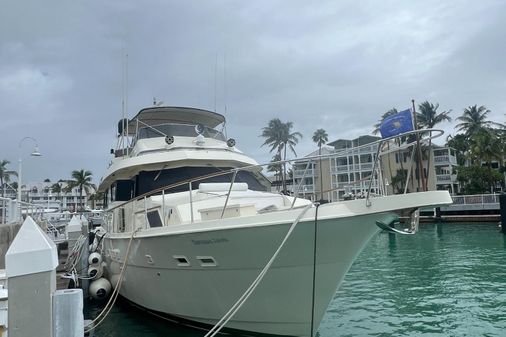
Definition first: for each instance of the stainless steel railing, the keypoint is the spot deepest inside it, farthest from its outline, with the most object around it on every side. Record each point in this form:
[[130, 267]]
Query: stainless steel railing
[[429, 134]]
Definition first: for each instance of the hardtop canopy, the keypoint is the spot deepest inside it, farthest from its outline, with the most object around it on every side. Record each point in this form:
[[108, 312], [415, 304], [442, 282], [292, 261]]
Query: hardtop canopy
[[171, 114]]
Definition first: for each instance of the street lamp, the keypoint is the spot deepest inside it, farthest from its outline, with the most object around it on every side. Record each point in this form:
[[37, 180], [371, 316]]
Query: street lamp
[[35, 153]]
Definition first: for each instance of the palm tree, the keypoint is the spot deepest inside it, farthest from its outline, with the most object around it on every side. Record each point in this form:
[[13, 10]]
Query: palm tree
[[473, 119], [428, 117], [275, 167], [460, 144], [82, 180], [94, 197], [56, 188], [320, 137], [486, 146], [279, 137], [5, 174]]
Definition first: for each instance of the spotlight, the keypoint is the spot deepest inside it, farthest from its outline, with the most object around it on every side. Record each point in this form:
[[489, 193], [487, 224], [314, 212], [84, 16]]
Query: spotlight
[[231, 142]]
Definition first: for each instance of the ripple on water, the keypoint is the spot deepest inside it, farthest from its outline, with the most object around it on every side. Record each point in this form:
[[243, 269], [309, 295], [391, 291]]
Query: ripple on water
[[448, 280]]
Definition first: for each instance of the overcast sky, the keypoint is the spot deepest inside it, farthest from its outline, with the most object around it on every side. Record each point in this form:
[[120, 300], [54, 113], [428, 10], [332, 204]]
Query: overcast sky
[[336, 65]]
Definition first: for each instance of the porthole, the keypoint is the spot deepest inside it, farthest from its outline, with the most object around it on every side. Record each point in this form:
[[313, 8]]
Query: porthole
[[207, 261], [181, 261]]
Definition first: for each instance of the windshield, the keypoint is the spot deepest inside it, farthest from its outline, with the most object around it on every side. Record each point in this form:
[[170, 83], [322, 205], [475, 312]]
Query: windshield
[[184, 130]]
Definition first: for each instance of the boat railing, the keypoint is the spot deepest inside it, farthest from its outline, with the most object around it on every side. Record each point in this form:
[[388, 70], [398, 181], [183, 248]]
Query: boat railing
[[408, 142]]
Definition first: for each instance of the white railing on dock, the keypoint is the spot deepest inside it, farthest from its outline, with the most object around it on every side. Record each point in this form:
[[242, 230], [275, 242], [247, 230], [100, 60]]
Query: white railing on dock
[[475, 199], [11, 210]]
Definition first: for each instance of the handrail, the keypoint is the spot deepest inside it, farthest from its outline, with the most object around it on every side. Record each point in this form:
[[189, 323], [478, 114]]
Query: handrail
[[228, 194], [234, 171], [300, 183]]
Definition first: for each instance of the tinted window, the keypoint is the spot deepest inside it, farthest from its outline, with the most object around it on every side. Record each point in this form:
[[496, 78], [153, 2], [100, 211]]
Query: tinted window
[[151, 180]]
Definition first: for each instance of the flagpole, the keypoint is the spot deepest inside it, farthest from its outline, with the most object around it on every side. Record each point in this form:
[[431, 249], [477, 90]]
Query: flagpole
[[420, 165]]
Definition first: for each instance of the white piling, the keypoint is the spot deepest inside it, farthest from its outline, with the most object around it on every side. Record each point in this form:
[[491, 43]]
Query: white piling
[[68, 320], [31, 263]]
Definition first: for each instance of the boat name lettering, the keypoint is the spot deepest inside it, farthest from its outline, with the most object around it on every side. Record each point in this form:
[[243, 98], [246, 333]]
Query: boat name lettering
[[209, 242]]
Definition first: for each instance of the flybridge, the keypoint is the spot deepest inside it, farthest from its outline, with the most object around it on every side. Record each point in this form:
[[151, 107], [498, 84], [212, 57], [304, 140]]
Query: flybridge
[[167, 122], [174, 115]]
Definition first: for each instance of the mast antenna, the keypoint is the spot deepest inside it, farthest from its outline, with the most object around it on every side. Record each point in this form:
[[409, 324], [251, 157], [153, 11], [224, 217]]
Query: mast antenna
[[225, 82], [215, 79]]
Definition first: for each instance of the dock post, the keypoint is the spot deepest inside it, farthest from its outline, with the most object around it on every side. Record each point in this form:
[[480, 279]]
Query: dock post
[[502, 205], [73, 232], [85, 283], [31, 263]]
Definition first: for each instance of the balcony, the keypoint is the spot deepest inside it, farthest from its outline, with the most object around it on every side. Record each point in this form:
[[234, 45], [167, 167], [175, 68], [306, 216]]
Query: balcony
[[446, 178], [354, 185], [352, 168], [300, 173], [306, 189], [445, 160]]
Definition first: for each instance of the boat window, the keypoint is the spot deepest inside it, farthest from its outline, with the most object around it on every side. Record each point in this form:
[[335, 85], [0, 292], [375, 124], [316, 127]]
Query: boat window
[[113, 192], [207, 261], [148, 181], [124, 190], [154, 219], [184, 130], [181, 261]]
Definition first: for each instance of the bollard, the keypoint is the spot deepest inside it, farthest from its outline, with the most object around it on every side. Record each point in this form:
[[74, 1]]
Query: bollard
[[31, 263], [502, 204]]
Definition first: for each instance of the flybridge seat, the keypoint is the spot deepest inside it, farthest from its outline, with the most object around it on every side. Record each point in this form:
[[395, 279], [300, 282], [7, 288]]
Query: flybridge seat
[[222, 187]]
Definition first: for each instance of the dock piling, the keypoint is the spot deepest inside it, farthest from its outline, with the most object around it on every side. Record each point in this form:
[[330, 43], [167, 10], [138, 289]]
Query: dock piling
[[502, 205], [31, 263]]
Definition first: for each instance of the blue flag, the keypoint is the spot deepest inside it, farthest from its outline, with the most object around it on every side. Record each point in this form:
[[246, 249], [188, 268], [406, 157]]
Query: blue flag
[[397, 124]]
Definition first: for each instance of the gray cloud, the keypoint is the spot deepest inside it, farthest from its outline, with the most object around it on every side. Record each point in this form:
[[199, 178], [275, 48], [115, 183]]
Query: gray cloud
[[333, 65]]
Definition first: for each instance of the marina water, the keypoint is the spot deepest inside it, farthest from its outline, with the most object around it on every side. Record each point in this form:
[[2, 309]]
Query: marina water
[[447, 280]]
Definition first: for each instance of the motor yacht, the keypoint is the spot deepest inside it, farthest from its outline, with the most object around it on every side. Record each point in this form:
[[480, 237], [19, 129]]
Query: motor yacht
[[192, 227]]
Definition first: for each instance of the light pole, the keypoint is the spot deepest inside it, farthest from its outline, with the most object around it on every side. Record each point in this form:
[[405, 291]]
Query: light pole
[[35, 153]]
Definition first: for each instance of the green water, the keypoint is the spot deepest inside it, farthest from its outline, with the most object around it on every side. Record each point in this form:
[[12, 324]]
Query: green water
[[448, 280]]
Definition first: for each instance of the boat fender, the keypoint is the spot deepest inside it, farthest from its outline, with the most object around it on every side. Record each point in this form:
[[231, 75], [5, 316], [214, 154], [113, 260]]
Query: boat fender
[[95, 272], [100, 289], [114, 279], [95, 259]]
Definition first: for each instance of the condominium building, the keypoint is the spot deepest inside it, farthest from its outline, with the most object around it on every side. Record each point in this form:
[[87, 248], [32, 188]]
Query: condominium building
[[438, 170], [42, 194], [347, 170]]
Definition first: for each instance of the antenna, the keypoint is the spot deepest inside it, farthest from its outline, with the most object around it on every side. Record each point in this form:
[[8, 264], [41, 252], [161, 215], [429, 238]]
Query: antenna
[[126, 102], [225, 82], [215, 79]]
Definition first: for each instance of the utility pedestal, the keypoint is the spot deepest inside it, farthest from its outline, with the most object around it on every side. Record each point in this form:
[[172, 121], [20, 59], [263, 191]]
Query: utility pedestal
[[31, 263]]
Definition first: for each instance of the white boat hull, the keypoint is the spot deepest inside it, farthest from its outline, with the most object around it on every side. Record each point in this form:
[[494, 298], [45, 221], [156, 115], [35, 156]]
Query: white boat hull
[[282, 303], [292, 298]]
